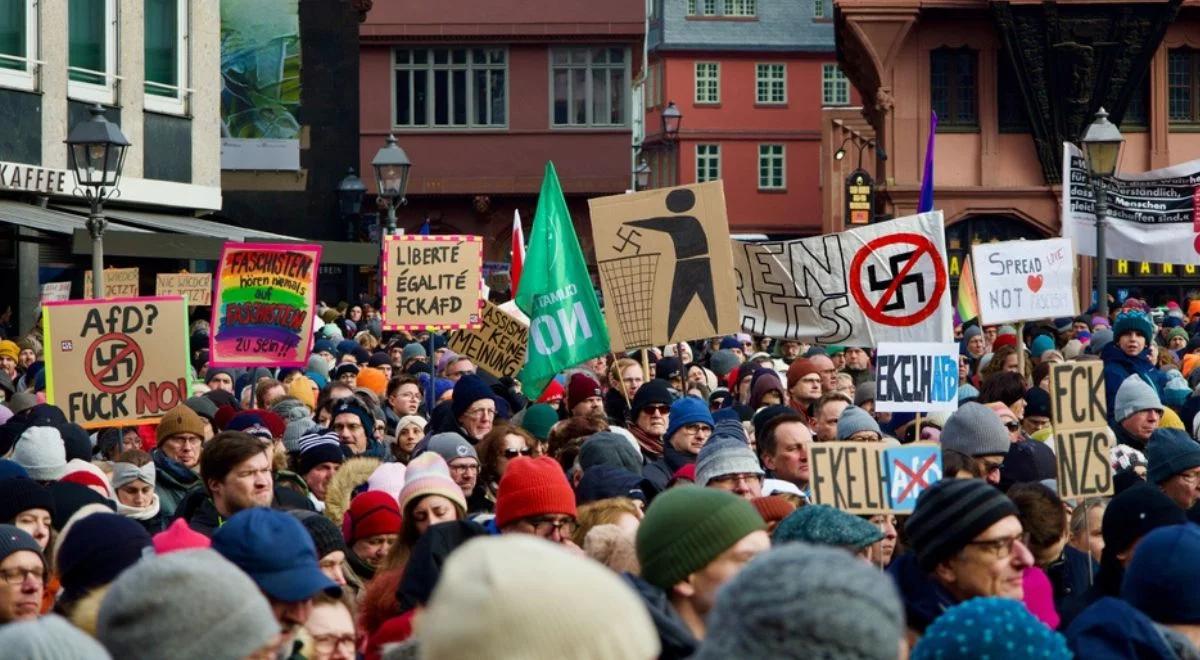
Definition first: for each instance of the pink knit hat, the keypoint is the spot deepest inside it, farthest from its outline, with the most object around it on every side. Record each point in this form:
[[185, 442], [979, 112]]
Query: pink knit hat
[[389, 478], [428, 474], [179, 537]]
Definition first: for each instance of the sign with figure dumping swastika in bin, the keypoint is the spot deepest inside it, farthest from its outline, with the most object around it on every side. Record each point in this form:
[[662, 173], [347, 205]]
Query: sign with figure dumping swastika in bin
[[665, 265]]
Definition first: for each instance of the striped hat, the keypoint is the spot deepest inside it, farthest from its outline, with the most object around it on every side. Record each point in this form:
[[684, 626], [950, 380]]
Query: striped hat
[[428, 474], [950, 514], [315, 448]]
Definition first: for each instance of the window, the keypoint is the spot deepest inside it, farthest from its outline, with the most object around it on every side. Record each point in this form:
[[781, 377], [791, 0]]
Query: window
[[770, 83], [166, 55], [952, 87], [451, 87], [741, 8], [835, 87], [18, 37], [818, 8], [92, 50], [709, 7], [589, 86], [1183, 72], [708, 82], [1135, 112], [770, 167], [654, 85], [708, 162]]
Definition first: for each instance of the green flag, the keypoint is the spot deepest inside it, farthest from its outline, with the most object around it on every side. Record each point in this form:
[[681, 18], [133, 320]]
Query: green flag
[[566, 326]]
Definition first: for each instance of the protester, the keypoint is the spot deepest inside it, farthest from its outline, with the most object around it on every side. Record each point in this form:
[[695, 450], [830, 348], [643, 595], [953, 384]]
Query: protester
[[329, 632], [1174, 466], [649, 417], [690, 426], [535, 498], [584, 396], [29, 506], [180, 434], [499, 447], [727, 463], [990, 627], [1136, 413], [826, 413], [976, 431], [23, 567], [820, 524], [783, 445], [370, 528], [237, 476]]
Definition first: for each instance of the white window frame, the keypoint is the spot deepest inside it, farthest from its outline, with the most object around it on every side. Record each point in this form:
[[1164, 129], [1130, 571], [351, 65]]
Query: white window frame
[[760, 79], [818, 8], [430, 67], [765, 157], [26, 78], [105, 94], [715, 156], [591, 67], [176, 105], [708, 8], [715, 80], [831, 74], [741, 8]]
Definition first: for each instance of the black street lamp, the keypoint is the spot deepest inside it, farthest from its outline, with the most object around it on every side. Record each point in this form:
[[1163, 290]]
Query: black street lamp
[[671, 119], [641, 175], [1102, 148], [96, 150], [391, 174], [350, 193]]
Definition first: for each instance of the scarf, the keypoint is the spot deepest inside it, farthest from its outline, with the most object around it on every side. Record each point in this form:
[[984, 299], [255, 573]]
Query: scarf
[[139, 513], [651, 446]]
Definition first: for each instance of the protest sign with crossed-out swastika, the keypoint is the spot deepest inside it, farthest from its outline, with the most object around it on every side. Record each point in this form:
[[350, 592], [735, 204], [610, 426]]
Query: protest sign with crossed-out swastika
[[868, 478], [120, 362]]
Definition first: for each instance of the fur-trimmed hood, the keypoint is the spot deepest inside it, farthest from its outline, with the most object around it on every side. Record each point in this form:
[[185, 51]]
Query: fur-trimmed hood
[[353, 473]]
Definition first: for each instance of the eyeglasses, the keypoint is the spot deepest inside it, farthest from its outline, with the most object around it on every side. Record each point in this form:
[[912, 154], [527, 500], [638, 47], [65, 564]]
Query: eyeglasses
[[192, 440], [327, 643], [16, 576], [466, 467], [1012, 426], [746, 477], [696, 427], [480, 412], [990, 467], [546, 526], [513, 453], [1190, 477], [657, 408], [1002, 547]]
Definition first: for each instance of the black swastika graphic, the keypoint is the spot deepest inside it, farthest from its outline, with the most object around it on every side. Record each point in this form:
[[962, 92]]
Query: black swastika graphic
[[114, 362], [895, 264], [627, 237]]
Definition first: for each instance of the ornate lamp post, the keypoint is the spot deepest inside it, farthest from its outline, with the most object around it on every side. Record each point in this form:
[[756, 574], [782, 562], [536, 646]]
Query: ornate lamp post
[[96, 150]]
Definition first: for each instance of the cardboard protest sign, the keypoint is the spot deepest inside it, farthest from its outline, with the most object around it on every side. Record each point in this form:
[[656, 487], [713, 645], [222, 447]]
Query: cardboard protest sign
[[868, 478], [196, 286], [432, 282], [1078, 411], [118, 362], [118, 283], [53, 291], [665, 265], [878, 283], [1023, 280], [498, 346], [265, 305], [916, 377]]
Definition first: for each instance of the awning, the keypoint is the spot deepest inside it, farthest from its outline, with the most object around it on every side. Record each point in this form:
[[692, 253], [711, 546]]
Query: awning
[[48, 220], [183, 224]]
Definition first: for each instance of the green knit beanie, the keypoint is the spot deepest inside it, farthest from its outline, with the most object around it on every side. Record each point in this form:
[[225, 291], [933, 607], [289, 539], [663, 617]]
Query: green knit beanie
[[687, 527], [538, 420]]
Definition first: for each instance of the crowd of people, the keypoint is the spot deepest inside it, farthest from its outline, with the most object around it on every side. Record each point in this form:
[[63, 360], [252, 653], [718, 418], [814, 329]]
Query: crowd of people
[[394, 500]]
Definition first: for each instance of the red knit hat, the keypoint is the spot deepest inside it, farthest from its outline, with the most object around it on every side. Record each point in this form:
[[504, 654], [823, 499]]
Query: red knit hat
[[371, 513], [799, 369], [533, 487], [1004, 340], [553, 392], [580, 388], [772, 508]]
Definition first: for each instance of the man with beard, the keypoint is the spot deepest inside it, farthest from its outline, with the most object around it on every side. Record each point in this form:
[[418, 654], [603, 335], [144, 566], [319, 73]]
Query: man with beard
[[236, 473]]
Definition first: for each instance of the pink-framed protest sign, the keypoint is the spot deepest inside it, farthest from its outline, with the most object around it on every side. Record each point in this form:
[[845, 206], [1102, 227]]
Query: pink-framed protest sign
[[432, 282]]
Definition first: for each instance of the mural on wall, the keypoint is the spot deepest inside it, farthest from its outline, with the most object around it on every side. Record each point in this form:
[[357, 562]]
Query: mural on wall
[[260, 84]]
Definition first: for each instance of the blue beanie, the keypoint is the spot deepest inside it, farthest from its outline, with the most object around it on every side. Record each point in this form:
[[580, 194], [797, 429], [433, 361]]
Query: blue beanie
[[11, 470], [346, 346], [324, 346], [1041, 344], [967, 392], [1135, 322], [990, 627], [730, 342], [469, 389], [1163, 562], [1169, 452], [351, 406], [687, 410]]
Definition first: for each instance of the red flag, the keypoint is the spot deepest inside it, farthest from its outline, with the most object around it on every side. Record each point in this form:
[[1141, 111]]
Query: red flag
[[518, 252]]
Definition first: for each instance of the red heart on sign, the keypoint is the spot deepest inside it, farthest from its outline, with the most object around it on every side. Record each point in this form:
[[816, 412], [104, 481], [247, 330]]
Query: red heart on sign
[[1035, 282]]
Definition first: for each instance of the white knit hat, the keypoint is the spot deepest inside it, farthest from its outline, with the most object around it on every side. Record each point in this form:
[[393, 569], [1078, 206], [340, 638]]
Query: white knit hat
[[512, 586], [41, 452]]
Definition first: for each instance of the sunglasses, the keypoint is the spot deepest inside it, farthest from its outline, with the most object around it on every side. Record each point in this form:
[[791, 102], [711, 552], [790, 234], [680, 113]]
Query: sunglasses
[[1012, 426], [513, 453], [657, 408]]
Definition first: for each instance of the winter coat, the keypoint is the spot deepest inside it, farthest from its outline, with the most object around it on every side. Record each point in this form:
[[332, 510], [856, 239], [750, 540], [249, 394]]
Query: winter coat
[[661, 471], [924, 599], [353, 473], [172, 482], [1112, 628], [677, 639], [1070, 574], [1118, 366]]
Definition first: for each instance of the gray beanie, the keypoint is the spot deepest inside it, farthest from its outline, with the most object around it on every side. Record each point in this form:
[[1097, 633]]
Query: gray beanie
[[723, 361], [49, 638], [40, 450], [413, 350], [450, 445], [723, 455], [975, 430], [1134, 395], [294, 430], [864, 392], [1100, 338], [798, 596], [203, 406], [854, 419], [608, 448], [197, 591], [291, 409]]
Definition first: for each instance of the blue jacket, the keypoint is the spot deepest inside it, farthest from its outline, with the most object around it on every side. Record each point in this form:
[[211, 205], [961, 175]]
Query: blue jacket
[[1112, 628], [924, 599], [1069, 575], [1118, 367]]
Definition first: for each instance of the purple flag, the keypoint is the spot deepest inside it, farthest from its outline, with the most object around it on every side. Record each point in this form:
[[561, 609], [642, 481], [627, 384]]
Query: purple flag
[[926, 203]]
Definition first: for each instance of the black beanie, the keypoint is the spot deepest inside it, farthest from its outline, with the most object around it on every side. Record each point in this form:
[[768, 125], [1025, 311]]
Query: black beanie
[[76, 441], [1136, 512], [71, 497], [21, 494], [655, 391], [950, 514], [325, 535]]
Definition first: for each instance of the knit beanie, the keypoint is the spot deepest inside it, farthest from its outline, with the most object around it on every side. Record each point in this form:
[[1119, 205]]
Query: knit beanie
[[18, 495], [950, 514], [687, 527], [76, 442], [373, 379], [11, 469], [1041, 344], [14, 539], [1037, 402], [538, 420], [295, 430], [773, 508], [371, 513], [512, 587], [324, 532], [603, 481], [723, 361], [70, 498], [533, 487], [49, 637], [687, 410], [609, 448], [467, 390], [853, 420], [822, 600], [975, 430], [412, 351], [198, 591], [178, 536], [203, 406], [315, 448], [9, 349], [656, 391], [350, 407], [86, 473], [41, 452], [1168, 453], [428, 474], [1134, 395], [799, 369], [450, 445], [824, 525], [1135, 512], [180, 419], [580, 388], [990, 627], [723, 455], [1164, 561], [1133, 321], [303, 388], [95, 550], [388, 478]]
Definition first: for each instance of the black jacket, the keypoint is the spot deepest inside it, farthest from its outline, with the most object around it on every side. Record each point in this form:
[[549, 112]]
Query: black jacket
[[661, 471], [677, 639]]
